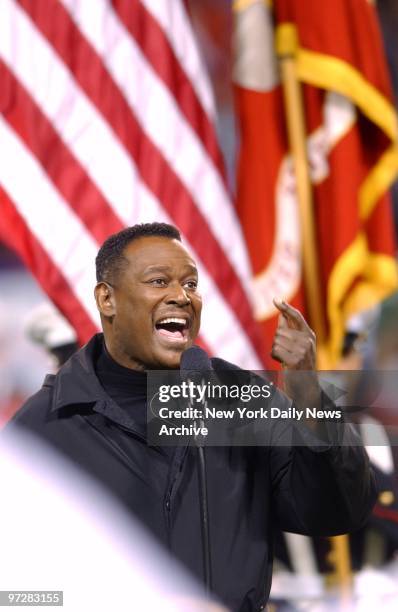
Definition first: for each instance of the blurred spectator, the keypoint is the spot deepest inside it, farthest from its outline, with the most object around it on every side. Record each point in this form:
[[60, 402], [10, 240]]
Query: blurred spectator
[[49, 329], [23, 364]]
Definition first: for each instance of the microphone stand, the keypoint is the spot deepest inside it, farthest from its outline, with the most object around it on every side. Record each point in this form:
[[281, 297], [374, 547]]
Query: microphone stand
[[204, 509]]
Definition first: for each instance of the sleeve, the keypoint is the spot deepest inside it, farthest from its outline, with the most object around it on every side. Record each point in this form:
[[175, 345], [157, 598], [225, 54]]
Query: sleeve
[[320, 487]]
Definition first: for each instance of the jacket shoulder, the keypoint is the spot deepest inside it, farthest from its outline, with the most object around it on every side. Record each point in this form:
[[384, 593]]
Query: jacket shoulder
[[36, 409]]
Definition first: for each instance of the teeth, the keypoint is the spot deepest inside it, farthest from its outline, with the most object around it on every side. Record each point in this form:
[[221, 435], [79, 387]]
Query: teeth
[[172, 320]]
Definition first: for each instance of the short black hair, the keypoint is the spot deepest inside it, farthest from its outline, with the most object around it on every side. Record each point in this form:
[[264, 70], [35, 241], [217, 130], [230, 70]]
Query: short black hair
[[110, 260]]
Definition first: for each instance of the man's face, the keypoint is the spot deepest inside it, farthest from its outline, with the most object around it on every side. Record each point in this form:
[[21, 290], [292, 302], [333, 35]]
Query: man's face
[[156, 306]]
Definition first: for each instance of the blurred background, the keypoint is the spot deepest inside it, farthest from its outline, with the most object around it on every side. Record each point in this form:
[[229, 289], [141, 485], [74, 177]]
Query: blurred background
[[267, 132]]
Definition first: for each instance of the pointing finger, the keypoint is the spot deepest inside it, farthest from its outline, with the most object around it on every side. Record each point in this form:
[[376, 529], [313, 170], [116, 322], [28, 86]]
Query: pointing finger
[[293, 316]]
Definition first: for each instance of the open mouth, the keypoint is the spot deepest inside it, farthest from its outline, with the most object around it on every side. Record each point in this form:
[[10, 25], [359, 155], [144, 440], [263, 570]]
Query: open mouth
[[174, 329]]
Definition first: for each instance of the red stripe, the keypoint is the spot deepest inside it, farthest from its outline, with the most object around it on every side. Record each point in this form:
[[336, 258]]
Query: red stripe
[[154, 43], [62, 167], [56, 25], [16, 234]]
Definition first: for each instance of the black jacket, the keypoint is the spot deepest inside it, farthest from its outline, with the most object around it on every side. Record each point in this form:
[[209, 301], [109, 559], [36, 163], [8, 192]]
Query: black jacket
[[250, 489]]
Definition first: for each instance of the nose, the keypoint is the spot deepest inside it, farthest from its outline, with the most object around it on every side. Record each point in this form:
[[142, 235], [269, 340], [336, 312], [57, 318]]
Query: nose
[[177, 295]]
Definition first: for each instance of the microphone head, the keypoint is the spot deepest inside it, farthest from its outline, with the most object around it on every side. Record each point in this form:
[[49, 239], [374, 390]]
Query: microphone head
[[194, 362]]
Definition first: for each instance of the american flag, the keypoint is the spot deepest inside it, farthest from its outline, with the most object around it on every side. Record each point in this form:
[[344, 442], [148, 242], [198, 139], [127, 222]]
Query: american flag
[[107, 119]]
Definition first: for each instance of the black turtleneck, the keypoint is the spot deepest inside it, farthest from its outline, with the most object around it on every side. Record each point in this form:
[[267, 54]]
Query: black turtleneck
[[125, 386], [128, 389]]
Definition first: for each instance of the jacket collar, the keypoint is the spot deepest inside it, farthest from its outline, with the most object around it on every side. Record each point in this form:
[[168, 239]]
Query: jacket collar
[[77, 381]]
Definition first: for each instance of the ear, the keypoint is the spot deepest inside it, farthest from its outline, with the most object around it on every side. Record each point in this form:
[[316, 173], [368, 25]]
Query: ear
[[105, 299]]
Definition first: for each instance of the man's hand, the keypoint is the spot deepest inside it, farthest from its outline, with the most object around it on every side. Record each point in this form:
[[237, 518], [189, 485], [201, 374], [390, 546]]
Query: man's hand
[[295, 347], [294, 341]]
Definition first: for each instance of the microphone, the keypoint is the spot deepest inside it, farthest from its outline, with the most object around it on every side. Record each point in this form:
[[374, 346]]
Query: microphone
[[193, 367], [194, 362]]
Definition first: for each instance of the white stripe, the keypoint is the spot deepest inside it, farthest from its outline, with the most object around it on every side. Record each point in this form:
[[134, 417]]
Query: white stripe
[[222, 330], [172, 17], [49, 217], [167, 128], [73, 116]]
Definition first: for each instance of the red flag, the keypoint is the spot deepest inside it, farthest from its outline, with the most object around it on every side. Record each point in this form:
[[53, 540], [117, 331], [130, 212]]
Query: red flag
[[107, 119], [352, 150]]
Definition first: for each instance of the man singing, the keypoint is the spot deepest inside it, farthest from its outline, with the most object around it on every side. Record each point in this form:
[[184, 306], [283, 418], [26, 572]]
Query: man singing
[[94, 412]]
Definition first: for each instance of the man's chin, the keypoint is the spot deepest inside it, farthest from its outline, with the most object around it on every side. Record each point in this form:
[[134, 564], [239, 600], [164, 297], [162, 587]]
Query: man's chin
[[167, 360], [170, 358]]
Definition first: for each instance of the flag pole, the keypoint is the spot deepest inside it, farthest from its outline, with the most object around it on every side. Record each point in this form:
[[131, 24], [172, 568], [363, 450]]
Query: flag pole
[[287, 47], [287, 44]]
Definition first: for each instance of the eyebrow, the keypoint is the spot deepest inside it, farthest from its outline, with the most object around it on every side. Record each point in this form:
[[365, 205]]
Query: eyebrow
[[157, 268]]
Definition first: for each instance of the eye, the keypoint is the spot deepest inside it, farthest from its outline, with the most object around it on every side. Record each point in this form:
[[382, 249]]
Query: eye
[[192, 285], [158, 282]]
